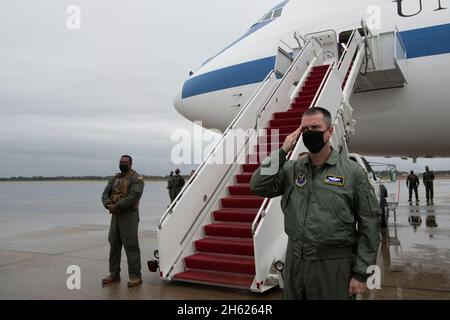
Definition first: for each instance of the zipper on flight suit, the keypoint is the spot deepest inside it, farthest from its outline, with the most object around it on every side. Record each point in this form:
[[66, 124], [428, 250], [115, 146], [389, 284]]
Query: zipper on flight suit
[[310, 190]]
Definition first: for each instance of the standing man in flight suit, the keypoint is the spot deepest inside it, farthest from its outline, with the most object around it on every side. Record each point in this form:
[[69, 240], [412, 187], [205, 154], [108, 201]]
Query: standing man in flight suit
[[170, 187], [428, 178], [330, 214], [121, 198], [178, 183], [412, 182]]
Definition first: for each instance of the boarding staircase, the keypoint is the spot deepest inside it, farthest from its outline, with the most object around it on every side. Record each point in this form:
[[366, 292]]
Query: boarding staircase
[[217, 231]]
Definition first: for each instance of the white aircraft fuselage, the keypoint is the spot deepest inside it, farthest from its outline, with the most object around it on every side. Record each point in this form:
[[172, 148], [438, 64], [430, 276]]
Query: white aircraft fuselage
[[411, 121]]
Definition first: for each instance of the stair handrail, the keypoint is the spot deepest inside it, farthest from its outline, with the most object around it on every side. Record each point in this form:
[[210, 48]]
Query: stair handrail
[[261, 213], [230, 127], [322, 84], [346, 48]]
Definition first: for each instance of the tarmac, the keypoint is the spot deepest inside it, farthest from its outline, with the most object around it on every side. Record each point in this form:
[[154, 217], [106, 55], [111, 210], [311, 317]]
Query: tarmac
[[414, 259]]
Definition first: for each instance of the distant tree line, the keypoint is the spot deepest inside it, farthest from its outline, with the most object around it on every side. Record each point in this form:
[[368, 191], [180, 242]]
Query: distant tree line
[[78, 178], [438, 173]]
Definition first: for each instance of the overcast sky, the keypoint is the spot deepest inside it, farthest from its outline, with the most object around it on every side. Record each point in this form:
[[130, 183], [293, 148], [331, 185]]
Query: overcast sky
[[73, 101]]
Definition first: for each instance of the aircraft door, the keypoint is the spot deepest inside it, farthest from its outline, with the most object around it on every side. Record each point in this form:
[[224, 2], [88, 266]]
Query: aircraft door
[[329, 41]]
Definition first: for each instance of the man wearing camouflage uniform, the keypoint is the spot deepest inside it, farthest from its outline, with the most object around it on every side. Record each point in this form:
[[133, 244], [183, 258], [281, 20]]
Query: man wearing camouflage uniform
[[330, 213], [121, 198]]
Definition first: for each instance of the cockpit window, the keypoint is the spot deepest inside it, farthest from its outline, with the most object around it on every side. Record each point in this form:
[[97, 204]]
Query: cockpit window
[[272, 15], [267, 16], [277, 13]]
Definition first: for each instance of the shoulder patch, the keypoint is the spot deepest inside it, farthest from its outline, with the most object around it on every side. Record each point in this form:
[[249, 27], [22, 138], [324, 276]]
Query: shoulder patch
[[301, 180], [338, 181]]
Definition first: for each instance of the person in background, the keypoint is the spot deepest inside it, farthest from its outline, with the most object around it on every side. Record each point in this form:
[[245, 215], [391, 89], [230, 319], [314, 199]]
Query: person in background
[[121, 198], [170, 187], [428, 179], [412, 182], [178, 183]]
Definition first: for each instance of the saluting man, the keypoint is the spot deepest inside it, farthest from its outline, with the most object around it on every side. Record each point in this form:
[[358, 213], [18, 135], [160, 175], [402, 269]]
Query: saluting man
[[330, 214], [121, 198]]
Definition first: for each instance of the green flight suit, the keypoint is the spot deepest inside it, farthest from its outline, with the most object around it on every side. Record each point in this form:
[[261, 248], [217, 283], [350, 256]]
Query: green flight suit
[[125, 190], [178, 183], [331, 219], [428, 178], [170, 187]]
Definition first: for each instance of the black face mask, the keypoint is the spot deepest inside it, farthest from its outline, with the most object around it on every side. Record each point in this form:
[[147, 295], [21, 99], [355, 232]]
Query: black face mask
[[313, 140], [124, 168]]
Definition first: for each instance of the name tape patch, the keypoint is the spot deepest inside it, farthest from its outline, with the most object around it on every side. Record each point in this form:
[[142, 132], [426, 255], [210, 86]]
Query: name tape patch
[[335, 180]]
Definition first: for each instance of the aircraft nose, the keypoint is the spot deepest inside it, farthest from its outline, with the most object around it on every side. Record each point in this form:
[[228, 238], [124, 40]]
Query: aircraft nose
[[178, 103]]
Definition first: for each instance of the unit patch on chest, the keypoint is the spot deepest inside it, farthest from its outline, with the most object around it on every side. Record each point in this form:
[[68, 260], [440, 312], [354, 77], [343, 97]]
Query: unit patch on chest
[[300, 180], [335, 180]]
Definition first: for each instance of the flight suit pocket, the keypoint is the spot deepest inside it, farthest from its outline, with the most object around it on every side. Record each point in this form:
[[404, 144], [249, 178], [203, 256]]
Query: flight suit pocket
[[342, 209], [285, 199]]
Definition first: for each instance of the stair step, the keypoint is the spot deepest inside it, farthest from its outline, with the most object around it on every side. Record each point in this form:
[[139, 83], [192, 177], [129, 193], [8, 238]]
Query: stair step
[[257, 157], [314, 83], [289, 114], [318, 71], [249, 201], [242, 189], [231, 230], [282, 129], [285, 122], [265, 147], [300, 110], [304, 98], [307, 92], [321, 67], [243, 247], [243, 178], [301, 105], [236, 214], [315, 78], [220, 279], [242, 265], [250, 168], [275, 137], [311, 86]]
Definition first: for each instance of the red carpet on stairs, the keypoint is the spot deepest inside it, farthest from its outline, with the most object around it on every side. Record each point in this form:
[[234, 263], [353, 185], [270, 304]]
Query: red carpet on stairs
[[225, 255]]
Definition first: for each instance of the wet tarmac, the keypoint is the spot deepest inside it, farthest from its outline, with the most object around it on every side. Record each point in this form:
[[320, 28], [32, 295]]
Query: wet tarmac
[[414, 260]]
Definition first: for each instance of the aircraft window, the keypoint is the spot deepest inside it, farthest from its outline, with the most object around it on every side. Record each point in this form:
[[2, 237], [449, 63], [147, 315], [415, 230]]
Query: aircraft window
[[277, 13], [272, 15], [268, 16]]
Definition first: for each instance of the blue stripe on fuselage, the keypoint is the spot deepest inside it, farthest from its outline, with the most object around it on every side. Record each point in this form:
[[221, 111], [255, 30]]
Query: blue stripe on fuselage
[[230, 77], [427, 41], [418, 42]]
